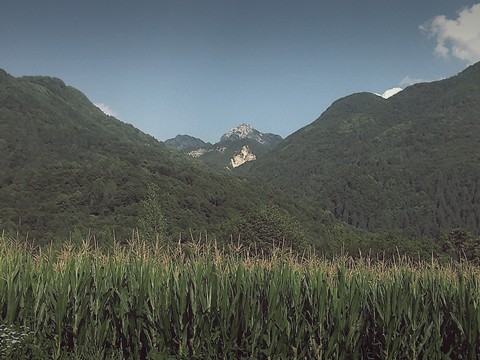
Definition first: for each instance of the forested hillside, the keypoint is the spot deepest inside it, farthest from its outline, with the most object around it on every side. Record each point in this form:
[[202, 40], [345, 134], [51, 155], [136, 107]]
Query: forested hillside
[[69, 170], [410, 163]]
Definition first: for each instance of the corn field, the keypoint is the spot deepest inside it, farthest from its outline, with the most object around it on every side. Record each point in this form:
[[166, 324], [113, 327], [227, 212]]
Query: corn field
[[198, 302]]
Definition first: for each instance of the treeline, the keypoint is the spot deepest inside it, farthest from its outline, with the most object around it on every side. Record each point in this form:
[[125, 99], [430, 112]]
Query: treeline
[[70, 170], [409, 164]]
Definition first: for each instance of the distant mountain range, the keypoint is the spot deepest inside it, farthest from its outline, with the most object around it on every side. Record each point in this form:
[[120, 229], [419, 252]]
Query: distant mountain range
[[237, 147], [409, 163], [369, 173], [186, 143], [246, 131], [69, 171]]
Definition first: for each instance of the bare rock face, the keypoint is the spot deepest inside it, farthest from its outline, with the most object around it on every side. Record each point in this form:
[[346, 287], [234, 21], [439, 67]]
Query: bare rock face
[[236, 147], [198, 152], [244, 156]]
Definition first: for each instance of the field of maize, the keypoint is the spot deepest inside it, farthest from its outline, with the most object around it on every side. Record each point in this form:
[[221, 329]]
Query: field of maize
[[197, 302]]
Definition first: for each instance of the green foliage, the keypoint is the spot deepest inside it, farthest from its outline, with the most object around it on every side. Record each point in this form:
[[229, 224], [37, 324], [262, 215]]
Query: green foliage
[[147, 302], [152, 223], [409, 164], [13, 341], [69, 171], [460, 244], [220, 159], [269, 226]]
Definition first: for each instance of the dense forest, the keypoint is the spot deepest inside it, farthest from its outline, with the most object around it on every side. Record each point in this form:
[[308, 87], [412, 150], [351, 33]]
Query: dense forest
[[370, 176], [408, 164], [70, 171]]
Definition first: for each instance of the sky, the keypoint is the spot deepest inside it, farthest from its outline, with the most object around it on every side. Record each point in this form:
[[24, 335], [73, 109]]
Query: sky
[[202, 67]]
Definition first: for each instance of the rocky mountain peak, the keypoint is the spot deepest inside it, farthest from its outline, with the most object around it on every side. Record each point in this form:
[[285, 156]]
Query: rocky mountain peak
[[246, 131], [242, 131], [236, 147]]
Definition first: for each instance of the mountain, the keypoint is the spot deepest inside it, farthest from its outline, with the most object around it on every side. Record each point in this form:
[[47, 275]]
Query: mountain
[[186, 143], [246, 131], [69, 171], [237, 147], [409, 163]]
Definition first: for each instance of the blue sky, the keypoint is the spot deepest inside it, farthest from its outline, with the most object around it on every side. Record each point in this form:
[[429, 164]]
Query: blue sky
[[202, 67]]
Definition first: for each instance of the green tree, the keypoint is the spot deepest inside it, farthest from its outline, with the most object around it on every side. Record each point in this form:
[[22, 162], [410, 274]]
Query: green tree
[[268, 225], [461, 244], [151, 222]]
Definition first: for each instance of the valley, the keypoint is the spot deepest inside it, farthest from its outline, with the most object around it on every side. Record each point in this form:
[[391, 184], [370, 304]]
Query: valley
[[396, 174], [192, 248]]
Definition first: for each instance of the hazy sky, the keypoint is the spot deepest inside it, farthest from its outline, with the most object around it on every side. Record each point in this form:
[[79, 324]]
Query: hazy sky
[[202, 67]]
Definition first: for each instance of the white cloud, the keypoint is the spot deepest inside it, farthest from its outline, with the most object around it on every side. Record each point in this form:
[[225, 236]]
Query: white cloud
[[106, 109], [408, 80], [390, 92], [458, 37]]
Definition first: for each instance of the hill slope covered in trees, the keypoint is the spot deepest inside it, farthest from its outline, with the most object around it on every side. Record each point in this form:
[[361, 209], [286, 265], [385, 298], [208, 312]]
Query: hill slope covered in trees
[[67, 169], [410, 163]]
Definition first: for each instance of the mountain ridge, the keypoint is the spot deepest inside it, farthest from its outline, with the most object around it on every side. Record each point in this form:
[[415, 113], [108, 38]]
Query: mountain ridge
[[236, 147], [409, 163], [186, 142], [246, 131], [71, 172]]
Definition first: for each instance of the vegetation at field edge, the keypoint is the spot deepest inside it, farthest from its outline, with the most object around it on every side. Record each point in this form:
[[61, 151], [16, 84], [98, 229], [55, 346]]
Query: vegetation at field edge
[[148, 301]]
